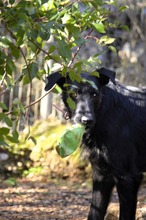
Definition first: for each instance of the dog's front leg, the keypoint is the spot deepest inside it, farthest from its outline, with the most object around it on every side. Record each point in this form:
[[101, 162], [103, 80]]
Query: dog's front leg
[[102, 188], [127, 188]]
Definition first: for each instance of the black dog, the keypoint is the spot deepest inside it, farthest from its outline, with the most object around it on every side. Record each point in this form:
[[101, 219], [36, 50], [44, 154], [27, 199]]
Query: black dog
[[114, 139]]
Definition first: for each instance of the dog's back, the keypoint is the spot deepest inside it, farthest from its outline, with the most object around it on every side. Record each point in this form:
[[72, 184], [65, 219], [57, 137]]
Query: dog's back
[[135, 94]]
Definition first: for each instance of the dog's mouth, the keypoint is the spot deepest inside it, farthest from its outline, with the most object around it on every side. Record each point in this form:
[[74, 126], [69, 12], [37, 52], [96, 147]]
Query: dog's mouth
[[87, 121]]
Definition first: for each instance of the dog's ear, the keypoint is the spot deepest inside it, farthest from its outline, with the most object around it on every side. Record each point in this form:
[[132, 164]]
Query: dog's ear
[[106, 75], [54, 78]]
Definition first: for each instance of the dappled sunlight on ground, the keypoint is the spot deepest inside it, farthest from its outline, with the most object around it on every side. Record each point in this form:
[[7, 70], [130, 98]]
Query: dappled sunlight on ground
[[54, 200]]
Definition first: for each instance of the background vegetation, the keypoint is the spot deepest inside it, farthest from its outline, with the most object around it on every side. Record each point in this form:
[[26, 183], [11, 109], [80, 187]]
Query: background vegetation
[[39, 37]]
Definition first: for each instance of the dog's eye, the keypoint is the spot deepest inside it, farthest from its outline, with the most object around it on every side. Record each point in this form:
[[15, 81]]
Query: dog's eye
[[73, 94], [94, 95]]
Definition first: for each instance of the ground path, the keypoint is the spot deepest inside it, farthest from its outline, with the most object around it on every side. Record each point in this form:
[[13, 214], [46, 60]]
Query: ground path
[[66, 200]]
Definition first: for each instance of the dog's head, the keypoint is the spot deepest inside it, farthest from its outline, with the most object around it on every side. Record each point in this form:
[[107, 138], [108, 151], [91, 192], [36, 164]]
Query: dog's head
[[82, 98]]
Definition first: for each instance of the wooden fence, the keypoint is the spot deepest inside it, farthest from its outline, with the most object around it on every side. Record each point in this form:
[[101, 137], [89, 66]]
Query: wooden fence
[[40, 104]]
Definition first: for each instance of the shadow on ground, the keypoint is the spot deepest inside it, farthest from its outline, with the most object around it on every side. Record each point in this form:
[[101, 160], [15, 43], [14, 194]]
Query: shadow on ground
[[37, 200]]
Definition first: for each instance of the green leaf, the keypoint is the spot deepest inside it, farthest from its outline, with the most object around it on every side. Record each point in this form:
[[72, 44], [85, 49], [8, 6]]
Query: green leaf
[[91, 83], [71, 103], [113, 49], [125, 27], [33, 140], [95, 73], [73, 30], [15, 51], [15, 134], [3, 106], [54, 57], [95, 3], [64, 49], [22, 108], [15, 124], [12, 139], [10, 66], [1, 138], [43, 32], [57, 89], [123, 7], [2, 115], [7, 43], [16, 101], [30, 72], [2, 142], [75, 76], [4, 42], [8, 121], [20, 37], [78, 66], [11, 181], [72, 74], [79, 41], [11, 2], [47, 6], [4, 131], [70, 140], [99, 27], [52, 48], [106, 40], [67, 19]]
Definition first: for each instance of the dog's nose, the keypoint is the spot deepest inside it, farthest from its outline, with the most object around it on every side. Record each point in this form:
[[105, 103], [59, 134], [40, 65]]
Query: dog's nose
[[87, 120]]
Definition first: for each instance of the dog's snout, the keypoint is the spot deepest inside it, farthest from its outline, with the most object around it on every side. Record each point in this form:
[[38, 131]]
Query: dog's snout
[[87, 120]]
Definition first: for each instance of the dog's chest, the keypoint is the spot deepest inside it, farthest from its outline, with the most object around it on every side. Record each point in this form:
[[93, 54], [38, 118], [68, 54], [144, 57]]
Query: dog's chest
[[97, 155]]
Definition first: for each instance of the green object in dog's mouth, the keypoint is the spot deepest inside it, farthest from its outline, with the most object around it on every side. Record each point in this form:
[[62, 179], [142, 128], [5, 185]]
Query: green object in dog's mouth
[[70, 140]]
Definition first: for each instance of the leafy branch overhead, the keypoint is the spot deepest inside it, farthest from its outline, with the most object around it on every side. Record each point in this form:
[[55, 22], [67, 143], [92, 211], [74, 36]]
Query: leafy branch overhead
[[25, 45]]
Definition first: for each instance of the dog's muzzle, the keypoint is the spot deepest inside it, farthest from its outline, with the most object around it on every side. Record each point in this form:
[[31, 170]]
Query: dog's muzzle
[[86, 120]]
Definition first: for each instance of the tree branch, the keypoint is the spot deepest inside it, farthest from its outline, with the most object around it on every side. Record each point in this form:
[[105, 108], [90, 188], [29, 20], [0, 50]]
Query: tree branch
[[34, 102], [79, 48], [43, 51]]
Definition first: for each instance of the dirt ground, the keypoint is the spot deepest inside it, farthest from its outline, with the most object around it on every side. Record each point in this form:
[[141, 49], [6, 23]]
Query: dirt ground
[[32, 199]]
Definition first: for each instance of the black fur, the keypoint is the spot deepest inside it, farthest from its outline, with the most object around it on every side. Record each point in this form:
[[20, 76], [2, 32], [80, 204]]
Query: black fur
[[115, 137]]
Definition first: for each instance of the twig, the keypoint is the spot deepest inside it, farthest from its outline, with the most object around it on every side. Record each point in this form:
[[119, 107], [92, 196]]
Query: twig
[[29, 75], [7, 89], [3, 78], [34, 102], [79, 48], [43, 51], [92, 37], [25, 60], [58, 108]]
